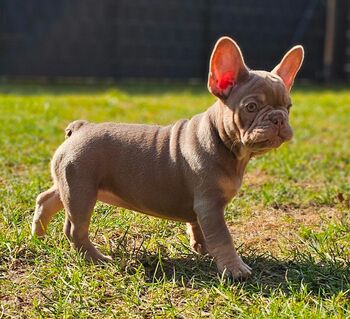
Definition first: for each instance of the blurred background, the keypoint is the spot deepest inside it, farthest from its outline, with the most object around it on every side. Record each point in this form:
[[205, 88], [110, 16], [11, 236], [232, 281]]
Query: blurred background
[[62, 60], [167, 39]]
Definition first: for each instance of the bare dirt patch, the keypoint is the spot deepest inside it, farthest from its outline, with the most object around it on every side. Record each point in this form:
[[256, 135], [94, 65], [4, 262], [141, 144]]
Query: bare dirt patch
[[256, 178], [268, 230]]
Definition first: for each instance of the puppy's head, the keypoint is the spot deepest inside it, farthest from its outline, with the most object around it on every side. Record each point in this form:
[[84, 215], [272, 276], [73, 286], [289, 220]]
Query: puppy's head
[[256, 104]]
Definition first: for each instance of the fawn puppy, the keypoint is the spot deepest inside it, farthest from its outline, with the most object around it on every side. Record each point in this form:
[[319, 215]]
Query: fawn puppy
[[187, 171]]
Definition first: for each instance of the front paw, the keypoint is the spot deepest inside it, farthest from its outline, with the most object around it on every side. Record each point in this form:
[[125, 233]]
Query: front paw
[[199, 248], [234, 268]]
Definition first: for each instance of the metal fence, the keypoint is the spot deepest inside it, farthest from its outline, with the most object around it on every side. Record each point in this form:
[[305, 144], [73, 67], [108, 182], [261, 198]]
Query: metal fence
[[161, 38]]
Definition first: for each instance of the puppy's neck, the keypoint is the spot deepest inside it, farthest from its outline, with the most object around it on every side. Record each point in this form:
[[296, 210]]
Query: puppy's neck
[[231, 139]]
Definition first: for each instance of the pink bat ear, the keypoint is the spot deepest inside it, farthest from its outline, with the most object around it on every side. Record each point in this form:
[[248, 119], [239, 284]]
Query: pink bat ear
[[288, 68], [227, 68]]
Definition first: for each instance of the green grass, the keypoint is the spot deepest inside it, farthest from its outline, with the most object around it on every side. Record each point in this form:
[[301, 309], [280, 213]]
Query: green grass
[[290, 220]]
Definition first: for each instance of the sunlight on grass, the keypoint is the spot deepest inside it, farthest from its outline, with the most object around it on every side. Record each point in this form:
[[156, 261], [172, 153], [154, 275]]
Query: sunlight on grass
[[296, 199]]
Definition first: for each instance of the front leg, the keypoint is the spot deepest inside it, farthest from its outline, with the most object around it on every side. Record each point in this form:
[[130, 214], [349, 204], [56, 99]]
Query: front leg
[[197, 240], [210, 215]]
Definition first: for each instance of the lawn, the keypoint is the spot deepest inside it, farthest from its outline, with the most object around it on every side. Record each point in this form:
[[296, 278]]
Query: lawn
[[290, 220]]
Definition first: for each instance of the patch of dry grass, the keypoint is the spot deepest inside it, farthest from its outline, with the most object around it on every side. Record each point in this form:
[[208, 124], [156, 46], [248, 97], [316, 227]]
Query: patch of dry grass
[[274, 230]]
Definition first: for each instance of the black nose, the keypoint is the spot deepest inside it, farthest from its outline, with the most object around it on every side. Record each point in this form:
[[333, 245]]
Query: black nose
[[277, 118]]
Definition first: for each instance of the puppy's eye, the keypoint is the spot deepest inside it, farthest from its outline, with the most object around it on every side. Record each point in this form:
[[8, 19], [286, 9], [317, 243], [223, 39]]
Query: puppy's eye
[[288, 107], [251, 107]]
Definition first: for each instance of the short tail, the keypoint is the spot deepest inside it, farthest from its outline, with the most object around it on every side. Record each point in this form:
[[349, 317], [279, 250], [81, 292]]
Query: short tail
[[74, 126]]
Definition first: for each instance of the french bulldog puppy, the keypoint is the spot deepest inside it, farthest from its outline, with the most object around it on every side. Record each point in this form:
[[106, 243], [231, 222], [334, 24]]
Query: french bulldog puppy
[[187, 171]]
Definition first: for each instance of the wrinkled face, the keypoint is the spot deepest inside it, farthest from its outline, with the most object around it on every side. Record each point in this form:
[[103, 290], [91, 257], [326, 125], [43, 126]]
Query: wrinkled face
[[255, 104], [259, 110]]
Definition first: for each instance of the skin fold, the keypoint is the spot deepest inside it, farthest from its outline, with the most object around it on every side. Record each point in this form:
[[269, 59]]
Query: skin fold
[[188, 171]]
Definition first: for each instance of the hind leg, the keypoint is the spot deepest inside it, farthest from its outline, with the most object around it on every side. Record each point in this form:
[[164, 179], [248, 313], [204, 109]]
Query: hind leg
[[79, 205], [48, 204]]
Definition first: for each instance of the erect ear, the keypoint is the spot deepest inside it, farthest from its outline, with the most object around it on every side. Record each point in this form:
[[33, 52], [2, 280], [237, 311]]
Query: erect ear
[[289, 66], [227, 67]]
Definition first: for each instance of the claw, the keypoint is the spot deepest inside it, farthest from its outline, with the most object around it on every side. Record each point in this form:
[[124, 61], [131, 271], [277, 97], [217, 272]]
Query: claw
[[236, 269], [199, 248]]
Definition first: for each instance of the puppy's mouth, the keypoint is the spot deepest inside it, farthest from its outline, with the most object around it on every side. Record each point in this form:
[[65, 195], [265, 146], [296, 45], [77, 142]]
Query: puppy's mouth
[[267, 144], [270, 142], [264, 134]]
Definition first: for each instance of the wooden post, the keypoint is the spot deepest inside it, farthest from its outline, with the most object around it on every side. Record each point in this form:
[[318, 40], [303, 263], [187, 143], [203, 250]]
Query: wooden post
[[328, 53]]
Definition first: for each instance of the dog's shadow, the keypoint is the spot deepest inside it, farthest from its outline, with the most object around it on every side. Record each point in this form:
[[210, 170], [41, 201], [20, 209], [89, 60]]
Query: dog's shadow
[[269, 273]]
